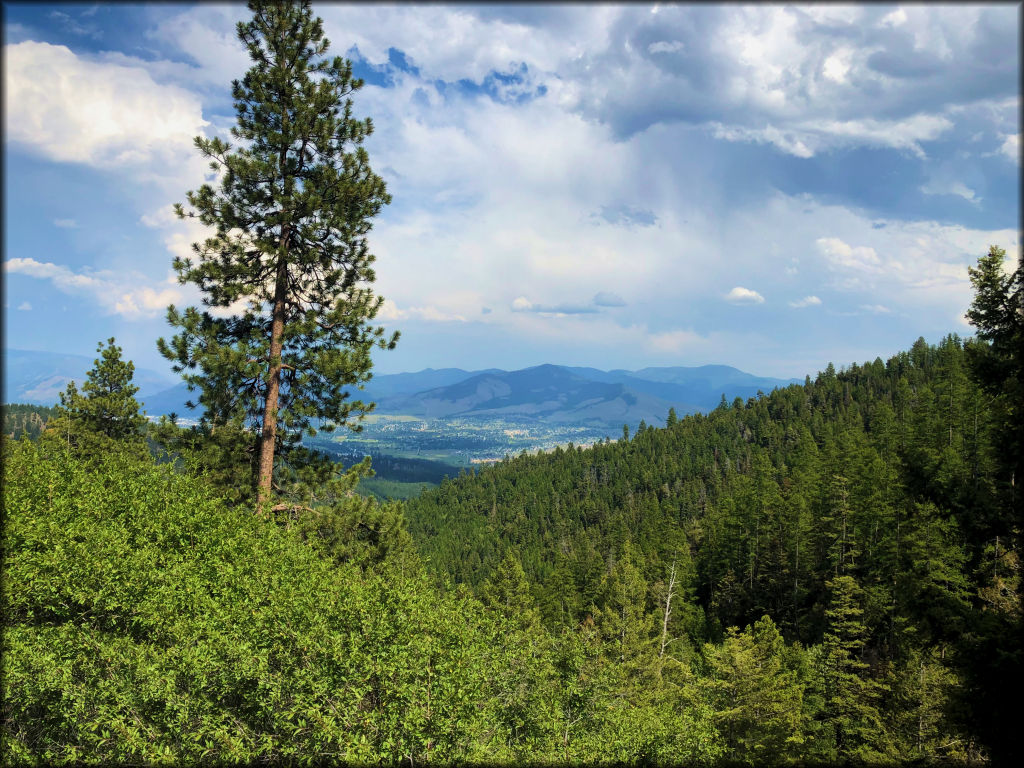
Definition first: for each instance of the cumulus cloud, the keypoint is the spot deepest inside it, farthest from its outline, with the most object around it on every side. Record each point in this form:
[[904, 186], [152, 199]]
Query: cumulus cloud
[[918, 265], [70, 109], [893, 19], [25, 307], [741, 295], [807, 301], [65, 223], [544, 154], [390, 311], [844, 256], [125, 295], [62, 277], [206, 35]]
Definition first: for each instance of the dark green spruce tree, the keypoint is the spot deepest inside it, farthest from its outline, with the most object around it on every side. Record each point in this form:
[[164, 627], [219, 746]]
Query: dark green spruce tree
[[285, 332], [998, 362], [995, 670]]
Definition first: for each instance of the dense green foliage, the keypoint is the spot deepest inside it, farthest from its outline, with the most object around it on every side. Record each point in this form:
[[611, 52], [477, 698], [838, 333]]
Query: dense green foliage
[[147, 621]]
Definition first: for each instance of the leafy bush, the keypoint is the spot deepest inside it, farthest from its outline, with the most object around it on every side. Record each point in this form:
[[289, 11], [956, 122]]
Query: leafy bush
[[145, 621]]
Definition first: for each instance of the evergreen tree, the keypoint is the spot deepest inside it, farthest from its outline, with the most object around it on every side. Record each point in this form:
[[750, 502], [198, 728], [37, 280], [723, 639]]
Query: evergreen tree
[[508, 593], [672, 418], [758, 701], [105, 414], [996, 655], [291, 216], [624, 623], [998, 313], [851, 695]]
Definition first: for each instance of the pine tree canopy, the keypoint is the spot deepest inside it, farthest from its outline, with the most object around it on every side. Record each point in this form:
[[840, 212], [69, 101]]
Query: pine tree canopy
[[105, 413], [286, 276]]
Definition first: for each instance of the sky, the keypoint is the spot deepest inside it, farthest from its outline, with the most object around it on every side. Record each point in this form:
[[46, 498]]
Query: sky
[[770, 187]]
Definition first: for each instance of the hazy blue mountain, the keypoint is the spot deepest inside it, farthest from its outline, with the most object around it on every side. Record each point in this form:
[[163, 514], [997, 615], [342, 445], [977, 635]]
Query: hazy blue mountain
[[170, 400], [549, 393], [40, 377], [701, 386], [391, 384], [381, 386]]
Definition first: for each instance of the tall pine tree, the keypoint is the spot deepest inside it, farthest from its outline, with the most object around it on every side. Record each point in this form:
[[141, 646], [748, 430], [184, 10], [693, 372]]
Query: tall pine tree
[[289, 254]]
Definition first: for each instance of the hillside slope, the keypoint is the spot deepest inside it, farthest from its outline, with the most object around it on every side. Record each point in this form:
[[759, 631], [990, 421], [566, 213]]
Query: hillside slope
[[883, 474]]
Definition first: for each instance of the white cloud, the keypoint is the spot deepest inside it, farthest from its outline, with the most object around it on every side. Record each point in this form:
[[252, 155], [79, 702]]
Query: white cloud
[[807, 301], [789, 142], [844, 256], [449, 43], [913, 267], [65, 223], [805, 78], [390, 312], [807, 138], [957, 188], [62, 277], [876, 309], [837, 66], [894, 18], [206, 34], [741, 295], [500, 195], [25, 307], [71, 109], [523, 304], [1011, 147], [122, 294]]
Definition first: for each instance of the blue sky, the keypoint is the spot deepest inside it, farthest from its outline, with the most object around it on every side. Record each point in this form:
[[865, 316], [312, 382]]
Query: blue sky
[[769, 187]]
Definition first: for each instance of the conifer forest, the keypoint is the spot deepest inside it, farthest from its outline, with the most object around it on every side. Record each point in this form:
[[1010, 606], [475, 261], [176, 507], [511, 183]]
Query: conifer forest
[[828, 573]]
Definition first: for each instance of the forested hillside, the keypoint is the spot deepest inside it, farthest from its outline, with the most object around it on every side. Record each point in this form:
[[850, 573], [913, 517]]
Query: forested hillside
[[827, 573], [30, 420], [861, 511]]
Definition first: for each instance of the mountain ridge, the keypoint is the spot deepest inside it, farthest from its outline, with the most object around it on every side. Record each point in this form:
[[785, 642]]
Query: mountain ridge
[[547, 392]]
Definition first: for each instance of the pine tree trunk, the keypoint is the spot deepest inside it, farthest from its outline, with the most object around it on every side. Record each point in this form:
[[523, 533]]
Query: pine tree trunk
[[269, 434]]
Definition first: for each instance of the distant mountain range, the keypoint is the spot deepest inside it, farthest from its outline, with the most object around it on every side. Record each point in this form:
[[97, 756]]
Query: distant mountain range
[[39, 377], [550, 393], [587, 396]]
